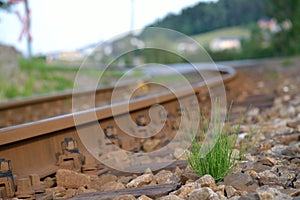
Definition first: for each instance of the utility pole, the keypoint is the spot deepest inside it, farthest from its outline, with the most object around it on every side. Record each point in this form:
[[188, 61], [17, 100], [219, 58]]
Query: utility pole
[[29, 39], [132, 17], [131, 53], [25, 21]]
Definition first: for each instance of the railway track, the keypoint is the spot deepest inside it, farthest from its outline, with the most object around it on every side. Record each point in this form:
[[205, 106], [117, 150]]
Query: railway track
[[32, 151], [26, 110]]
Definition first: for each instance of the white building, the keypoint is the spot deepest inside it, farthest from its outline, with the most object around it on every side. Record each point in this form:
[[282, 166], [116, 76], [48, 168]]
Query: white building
[[225, 43]]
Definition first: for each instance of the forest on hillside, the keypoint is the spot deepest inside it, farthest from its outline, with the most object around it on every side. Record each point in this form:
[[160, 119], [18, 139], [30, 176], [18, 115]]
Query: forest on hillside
[[205, 17], [208, 16]]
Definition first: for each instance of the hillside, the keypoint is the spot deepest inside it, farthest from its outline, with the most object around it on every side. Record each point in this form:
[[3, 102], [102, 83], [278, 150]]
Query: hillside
[[205, 38], [204, 17]]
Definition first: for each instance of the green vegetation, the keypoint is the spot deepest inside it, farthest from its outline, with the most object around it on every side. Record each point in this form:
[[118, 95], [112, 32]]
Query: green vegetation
[[257, 45], [287, 13], [205, 38], [209, 16], [204, 17], [287, 63], [221, 18], [219, 157], [39, 64], [272, 74], [161, 56], [4, 5], [36, 77]]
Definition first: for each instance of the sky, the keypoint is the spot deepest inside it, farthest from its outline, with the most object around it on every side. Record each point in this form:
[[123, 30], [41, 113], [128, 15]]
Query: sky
[[66, 25]]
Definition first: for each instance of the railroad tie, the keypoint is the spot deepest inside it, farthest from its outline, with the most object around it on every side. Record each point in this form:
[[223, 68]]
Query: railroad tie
[[7, 184], [71, 158]]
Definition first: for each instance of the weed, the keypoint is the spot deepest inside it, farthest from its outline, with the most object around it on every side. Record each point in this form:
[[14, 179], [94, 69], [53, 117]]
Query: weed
[[40, 65], [11, 92], [217, 158], [287, 63], [272, 74]]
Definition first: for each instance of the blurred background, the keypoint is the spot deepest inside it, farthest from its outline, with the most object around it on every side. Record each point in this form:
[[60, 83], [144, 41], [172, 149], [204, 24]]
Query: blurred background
[[43, 43]]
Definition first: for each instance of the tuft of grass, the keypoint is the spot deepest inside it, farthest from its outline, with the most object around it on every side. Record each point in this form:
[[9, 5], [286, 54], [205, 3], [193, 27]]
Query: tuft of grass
[[12, 92], [215, 158], [287, 63], [272, 74]]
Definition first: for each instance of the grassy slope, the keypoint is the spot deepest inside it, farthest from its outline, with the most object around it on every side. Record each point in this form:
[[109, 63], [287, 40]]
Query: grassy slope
[[35, 77], [205, 38]]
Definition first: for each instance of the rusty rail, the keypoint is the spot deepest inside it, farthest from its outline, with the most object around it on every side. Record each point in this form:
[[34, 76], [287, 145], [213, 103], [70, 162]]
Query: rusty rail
[[26, 110]]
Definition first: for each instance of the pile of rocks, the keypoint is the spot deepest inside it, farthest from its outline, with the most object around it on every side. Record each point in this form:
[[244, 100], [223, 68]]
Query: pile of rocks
[[265, 178]]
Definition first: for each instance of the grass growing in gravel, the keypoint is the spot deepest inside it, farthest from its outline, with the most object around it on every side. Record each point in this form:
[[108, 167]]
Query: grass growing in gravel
[[287, 63], [220, 158]]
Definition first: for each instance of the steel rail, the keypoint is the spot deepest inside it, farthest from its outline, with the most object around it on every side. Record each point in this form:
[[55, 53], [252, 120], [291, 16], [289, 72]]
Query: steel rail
[[24, 110]]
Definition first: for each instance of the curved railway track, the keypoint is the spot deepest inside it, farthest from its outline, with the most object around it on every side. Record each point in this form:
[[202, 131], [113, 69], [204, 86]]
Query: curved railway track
[[25, 110], [39, 148]]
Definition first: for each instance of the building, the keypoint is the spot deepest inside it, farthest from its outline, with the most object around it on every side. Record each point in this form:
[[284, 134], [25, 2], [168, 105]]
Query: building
[[225, 43], [268, 24]]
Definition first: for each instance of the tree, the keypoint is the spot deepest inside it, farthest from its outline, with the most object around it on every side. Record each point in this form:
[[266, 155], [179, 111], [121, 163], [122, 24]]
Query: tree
[[287, 14], [207, 16], [4, 5]]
